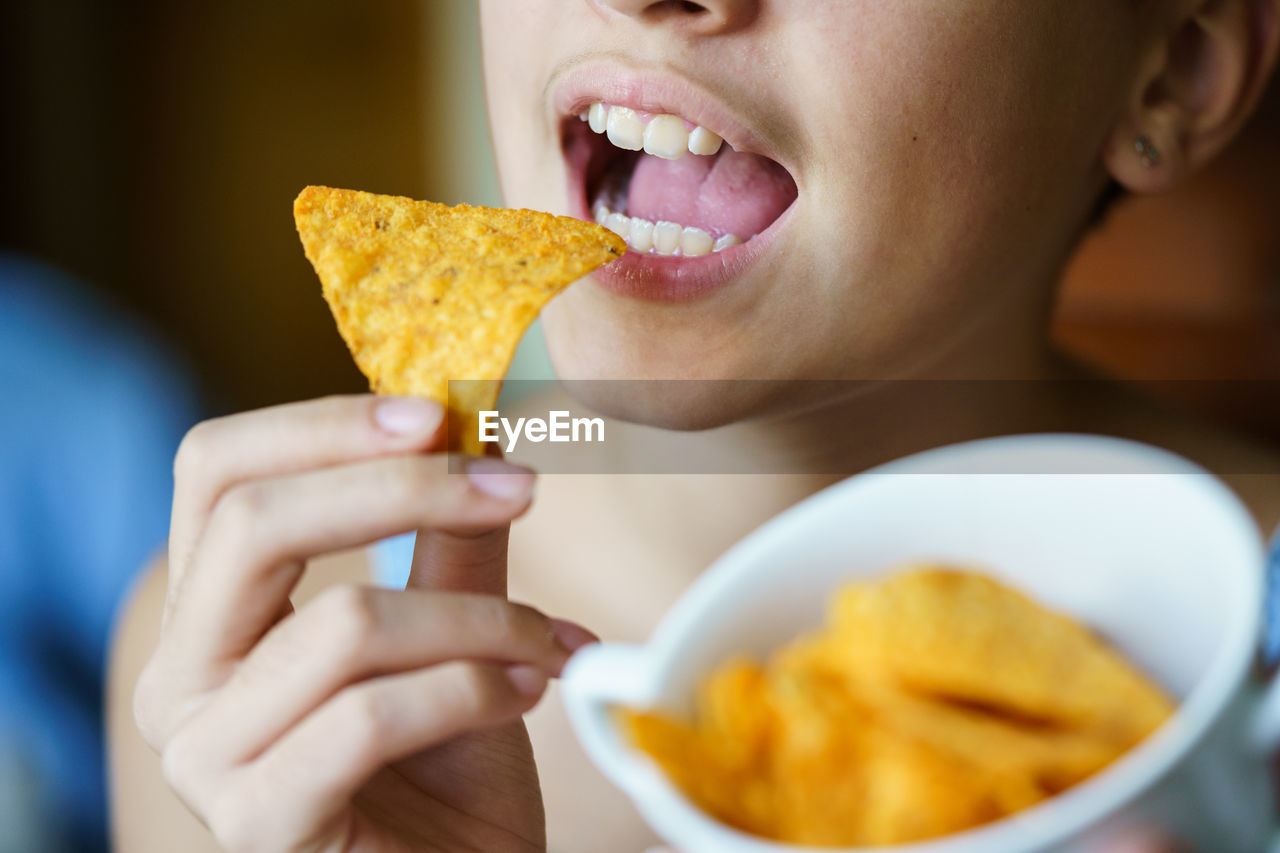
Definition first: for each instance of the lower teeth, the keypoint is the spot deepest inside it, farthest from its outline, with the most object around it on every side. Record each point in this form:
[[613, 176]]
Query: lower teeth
[[662, 238]]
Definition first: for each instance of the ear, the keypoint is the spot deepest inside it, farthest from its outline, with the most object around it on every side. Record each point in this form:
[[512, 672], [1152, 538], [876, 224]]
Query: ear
[[1198, 86]]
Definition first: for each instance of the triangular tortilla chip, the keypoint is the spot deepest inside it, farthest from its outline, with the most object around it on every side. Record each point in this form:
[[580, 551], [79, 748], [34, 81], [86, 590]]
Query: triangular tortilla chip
[[425, 293]]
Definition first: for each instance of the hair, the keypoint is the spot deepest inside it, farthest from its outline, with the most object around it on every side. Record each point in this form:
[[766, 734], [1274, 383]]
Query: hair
[[1111, 196]]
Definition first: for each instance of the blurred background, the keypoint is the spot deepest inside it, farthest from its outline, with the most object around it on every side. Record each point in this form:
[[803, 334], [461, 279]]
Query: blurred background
[[150, 275]]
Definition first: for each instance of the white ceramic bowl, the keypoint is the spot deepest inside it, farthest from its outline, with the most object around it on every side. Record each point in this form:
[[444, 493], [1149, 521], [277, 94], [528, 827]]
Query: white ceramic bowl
[[1144, 546]]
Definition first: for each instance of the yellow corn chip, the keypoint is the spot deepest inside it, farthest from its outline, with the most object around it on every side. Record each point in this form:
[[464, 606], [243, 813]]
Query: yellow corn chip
[[913, 793], [425, 293], [932, 701], [964, 636]]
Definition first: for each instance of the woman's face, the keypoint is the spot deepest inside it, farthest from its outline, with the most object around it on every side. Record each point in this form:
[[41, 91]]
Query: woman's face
[[908, 174]]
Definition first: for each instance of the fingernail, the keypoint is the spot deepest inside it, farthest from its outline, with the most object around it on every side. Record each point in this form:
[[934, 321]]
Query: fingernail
[[500, 479], [529, 680], [571, 635], [408, 415]]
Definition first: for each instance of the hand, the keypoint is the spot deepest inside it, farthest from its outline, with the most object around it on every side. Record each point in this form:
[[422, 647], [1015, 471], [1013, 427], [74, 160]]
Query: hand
[[369, 719]]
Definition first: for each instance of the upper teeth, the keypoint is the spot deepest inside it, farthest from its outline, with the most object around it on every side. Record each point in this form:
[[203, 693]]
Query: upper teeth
[[660, 135], [625, 129]]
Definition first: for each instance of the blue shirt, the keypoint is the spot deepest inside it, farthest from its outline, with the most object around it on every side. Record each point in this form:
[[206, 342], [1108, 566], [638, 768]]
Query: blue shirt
[[91, 412]]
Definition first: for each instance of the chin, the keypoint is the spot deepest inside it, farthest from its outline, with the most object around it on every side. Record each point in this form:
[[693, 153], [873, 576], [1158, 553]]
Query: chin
[[653, 392], [672, 404]]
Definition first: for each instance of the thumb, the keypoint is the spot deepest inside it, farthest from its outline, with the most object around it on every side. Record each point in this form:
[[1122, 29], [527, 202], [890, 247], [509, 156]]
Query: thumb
[[461, 562], [473, 559]]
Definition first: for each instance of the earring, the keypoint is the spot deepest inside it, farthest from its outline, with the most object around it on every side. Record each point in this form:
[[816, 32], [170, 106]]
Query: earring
[[1146, 151]]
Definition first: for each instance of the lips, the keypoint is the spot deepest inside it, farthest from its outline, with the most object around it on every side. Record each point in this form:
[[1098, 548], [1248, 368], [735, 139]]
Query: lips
[[692, 190]]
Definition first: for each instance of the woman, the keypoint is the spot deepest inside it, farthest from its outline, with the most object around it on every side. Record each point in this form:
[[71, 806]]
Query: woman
[[904, 181]]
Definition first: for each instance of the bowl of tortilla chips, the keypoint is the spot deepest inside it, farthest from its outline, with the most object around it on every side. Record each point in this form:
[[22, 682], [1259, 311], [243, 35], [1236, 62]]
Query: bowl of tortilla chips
[[1014, 644]]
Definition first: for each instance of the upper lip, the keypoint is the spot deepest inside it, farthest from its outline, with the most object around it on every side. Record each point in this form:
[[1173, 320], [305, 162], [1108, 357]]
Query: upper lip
[[657, 91]]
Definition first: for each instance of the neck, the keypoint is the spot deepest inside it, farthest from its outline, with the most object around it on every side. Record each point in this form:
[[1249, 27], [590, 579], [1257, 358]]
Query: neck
[[810, 445], [864, 424], [823, 430], [995, 374]]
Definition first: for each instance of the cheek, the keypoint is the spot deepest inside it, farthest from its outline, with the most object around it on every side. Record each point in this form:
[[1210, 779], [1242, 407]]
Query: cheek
[[958, 131], [524, 42]]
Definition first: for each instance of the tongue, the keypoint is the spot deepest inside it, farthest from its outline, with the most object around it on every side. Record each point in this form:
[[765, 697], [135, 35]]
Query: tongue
[[729, 193]]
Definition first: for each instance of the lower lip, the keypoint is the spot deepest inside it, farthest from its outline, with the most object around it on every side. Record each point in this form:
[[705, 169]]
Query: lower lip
[[660, 278]]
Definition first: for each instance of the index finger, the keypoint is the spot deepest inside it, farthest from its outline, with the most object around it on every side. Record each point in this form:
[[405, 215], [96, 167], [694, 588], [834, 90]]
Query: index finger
[[286, 439]]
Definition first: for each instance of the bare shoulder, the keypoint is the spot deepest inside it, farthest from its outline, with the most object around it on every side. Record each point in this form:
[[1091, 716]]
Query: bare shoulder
[[1248, 464], [145, 813], [1261, 493]]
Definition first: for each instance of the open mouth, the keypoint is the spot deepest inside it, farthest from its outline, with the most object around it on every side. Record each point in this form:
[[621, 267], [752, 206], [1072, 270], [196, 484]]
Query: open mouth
[[670, 187]]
